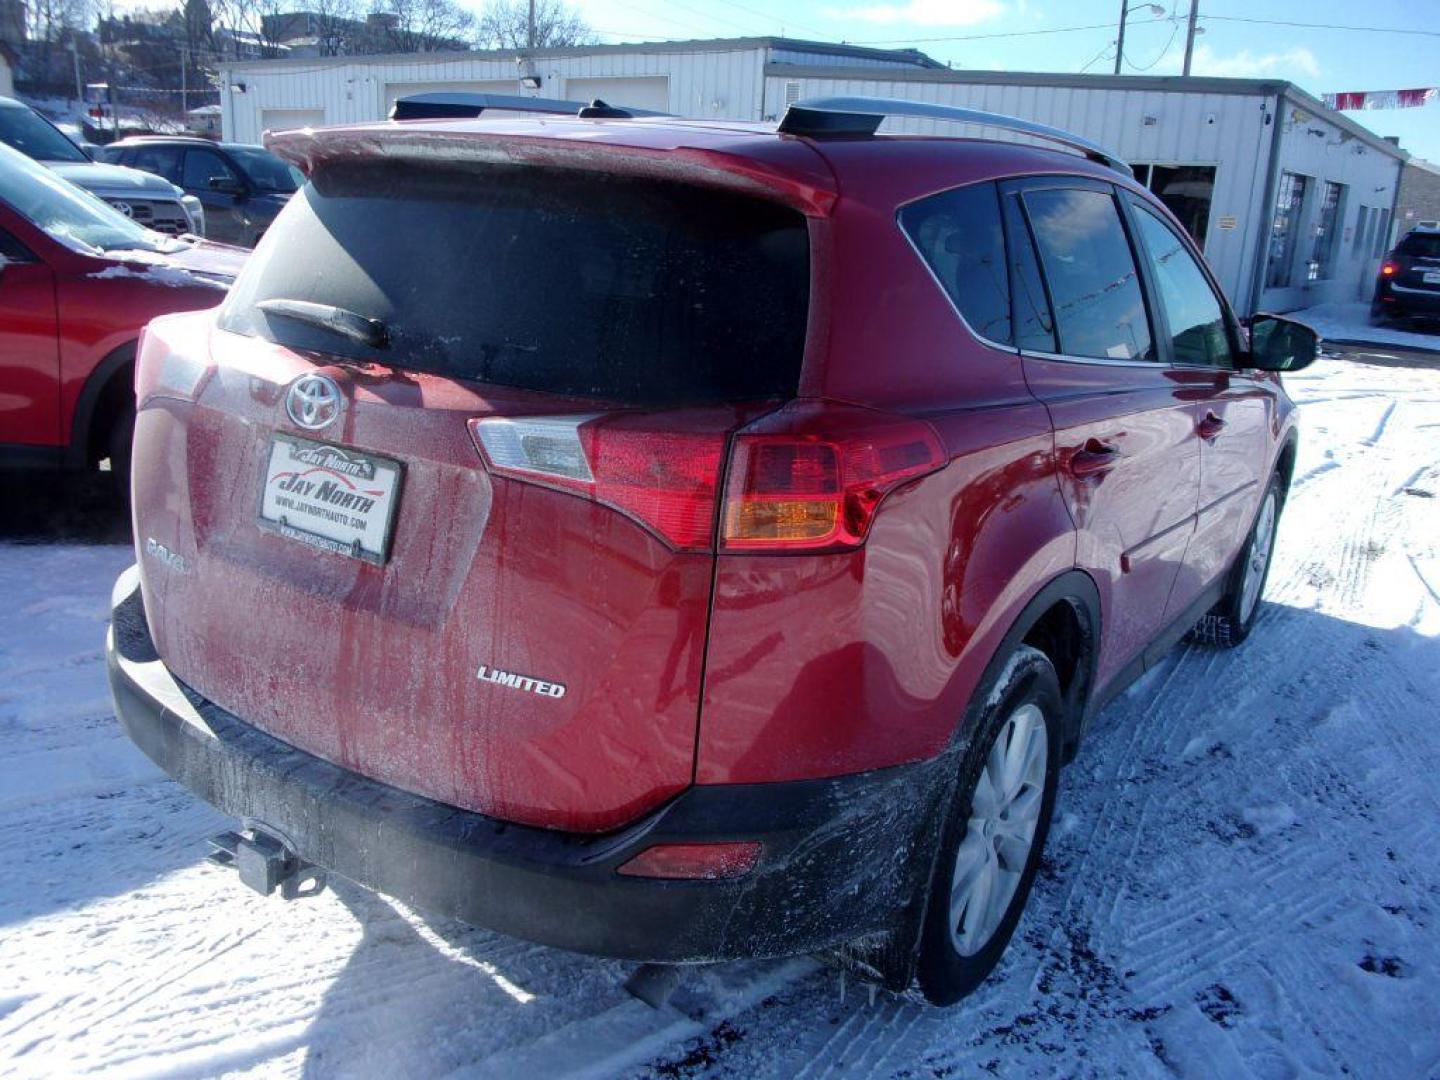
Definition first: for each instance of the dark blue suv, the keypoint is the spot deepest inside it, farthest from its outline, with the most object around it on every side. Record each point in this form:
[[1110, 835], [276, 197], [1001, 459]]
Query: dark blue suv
[[242, 187]]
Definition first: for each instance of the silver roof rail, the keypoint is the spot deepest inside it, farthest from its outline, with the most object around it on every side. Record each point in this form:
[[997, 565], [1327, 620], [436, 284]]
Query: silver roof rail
[[460, 105], [819, 117]]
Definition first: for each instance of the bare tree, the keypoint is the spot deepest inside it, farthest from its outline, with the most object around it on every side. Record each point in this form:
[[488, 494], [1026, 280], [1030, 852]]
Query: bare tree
[[424, 25], [335, 24], [505, 24]]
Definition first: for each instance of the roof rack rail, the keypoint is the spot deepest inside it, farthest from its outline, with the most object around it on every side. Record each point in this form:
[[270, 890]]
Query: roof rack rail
[[819, 117], [461, 105]]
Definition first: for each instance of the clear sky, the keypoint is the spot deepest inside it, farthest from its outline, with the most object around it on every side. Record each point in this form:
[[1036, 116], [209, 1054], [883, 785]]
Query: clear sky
[[957, 32]]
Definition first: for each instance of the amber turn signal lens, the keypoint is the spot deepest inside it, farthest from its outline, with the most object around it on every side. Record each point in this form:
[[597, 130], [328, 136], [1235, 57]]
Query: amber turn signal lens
[[781, 519]]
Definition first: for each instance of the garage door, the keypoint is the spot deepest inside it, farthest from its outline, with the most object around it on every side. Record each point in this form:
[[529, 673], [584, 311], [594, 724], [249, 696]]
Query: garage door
[[282, 119], [491, 86], [648, 93]]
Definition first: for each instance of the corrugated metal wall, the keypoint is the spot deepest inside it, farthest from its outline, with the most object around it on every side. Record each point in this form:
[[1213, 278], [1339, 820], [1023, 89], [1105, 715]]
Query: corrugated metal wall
[[701, 84]]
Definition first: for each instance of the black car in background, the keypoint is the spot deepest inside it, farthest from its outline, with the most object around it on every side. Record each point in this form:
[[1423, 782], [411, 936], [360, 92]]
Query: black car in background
[[1409, 280], [242, 187]]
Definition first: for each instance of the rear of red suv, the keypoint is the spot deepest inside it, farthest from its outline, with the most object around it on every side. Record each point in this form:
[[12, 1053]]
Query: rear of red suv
[[644, 537]]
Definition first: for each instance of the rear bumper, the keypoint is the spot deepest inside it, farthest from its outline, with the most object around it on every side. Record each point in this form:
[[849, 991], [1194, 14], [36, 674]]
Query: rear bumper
[[842, 857], [1403, 298]]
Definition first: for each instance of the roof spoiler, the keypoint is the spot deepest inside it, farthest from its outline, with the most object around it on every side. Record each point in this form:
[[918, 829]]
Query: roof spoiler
[[450, 105], [819, 118]]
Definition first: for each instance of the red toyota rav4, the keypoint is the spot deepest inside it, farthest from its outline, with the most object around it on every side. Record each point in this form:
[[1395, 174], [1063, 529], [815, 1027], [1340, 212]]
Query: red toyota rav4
[[681, 541]]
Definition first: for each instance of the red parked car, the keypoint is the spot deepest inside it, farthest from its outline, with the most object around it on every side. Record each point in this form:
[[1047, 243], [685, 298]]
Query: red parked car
[[681, 541], [78, 281]]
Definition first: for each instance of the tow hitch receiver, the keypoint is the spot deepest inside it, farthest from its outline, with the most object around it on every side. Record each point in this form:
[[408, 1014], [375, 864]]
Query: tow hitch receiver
[[265, 863]]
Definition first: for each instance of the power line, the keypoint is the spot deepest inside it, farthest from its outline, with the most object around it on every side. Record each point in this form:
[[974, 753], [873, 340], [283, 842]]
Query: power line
[[1006, 34], [1324, 26], [1175, 29], [770, 17]]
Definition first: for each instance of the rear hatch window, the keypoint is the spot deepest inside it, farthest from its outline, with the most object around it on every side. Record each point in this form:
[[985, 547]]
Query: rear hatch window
[[630, 291], [1420, 246]]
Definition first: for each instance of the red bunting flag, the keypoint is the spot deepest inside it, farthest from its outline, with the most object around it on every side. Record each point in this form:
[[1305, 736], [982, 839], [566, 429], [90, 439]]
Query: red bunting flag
[[1356, 100]]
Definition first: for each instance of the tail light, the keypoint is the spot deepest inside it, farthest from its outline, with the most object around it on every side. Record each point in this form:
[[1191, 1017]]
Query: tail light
[[811, 476], [1388, 269], [662, 470], [172, 359]]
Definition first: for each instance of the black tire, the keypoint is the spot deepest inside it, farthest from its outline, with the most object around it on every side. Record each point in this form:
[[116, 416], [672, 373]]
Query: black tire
[[1229, 623], [944, 973], [122, 434]]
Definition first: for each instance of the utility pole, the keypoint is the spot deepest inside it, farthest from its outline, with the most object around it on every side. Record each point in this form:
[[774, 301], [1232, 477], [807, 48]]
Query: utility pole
[[184, 87], [530, 27], [1190, 35], [1120, 44]]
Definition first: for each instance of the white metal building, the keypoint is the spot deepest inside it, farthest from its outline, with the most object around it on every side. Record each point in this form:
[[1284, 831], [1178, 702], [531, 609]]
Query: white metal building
[[1292, 202]]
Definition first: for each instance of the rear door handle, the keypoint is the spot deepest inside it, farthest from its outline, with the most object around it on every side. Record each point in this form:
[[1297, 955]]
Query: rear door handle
[[1210, 427], [1094, 458]]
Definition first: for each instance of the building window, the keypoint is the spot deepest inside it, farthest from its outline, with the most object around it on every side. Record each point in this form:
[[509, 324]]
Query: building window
[[1289, 202], [1322, 256], [1186, 191], [1382, 235], [1357, 245]]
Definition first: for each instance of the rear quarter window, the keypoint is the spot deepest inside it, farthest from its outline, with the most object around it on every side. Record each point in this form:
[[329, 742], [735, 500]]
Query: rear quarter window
[[584, 284], [958, 234]]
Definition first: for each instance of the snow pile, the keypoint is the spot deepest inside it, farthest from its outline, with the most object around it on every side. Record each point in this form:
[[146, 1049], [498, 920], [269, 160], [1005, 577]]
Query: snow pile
[[173, 277], [1242, 880]]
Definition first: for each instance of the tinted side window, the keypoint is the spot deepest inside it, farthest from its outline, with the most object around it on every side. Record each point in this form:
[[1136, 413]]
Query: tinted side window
[[958, 233], [1094, 285], [1197, 322], [1034, 325], [160, 160], [201, 165]]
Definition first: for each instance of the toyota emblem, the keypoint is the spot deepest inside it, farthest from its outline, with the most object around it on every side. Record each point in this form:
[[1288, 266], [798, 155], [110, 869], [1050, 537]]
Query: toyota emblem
[[124, 208], [313, 401]]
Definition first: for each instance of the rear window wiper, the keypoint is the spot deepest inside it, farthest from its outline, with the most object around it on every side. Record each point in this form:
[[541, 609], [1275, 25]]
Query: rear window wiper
[[337, 320]]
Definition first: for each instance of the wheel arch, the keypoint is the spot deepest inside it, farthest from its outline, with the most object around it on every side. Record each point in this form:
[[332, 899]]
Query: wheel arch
[[102, 396], [1285, 461], [1062, 620]]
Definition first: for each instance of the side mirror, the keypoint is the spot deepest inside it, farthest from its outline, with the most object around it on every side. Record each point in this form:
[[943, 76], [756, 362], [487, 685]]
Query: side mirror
[[226, 185], [1280, 344]]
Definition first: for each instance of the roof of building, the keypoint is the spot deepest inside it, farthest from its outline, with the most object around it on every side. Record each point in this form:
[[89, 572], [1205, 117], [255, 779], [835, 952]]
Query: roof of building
[[1175, 84], [913, 58]]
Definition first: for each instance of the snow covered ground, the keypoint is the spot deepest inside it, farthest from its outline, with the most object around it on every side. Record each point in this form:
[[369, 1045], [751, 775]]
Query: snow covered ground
[[1350, 322], [1244, 879]]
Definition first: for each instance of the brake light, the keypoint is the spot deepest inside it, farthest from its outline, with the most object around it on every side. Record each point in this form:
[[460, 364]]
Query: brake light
[[811, 476], [651, 467], [1388, 269]]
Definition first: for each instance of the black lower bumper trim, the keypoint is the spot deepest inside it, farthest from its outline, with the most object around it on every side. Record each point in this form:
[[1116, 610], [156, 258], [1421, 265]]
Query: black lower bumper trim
[[842, 858]]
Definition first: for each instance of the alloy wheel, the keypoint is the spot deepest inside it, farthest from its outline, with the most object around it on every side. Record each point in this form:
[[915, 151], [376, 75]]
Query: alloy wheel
[[1004, 815]]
